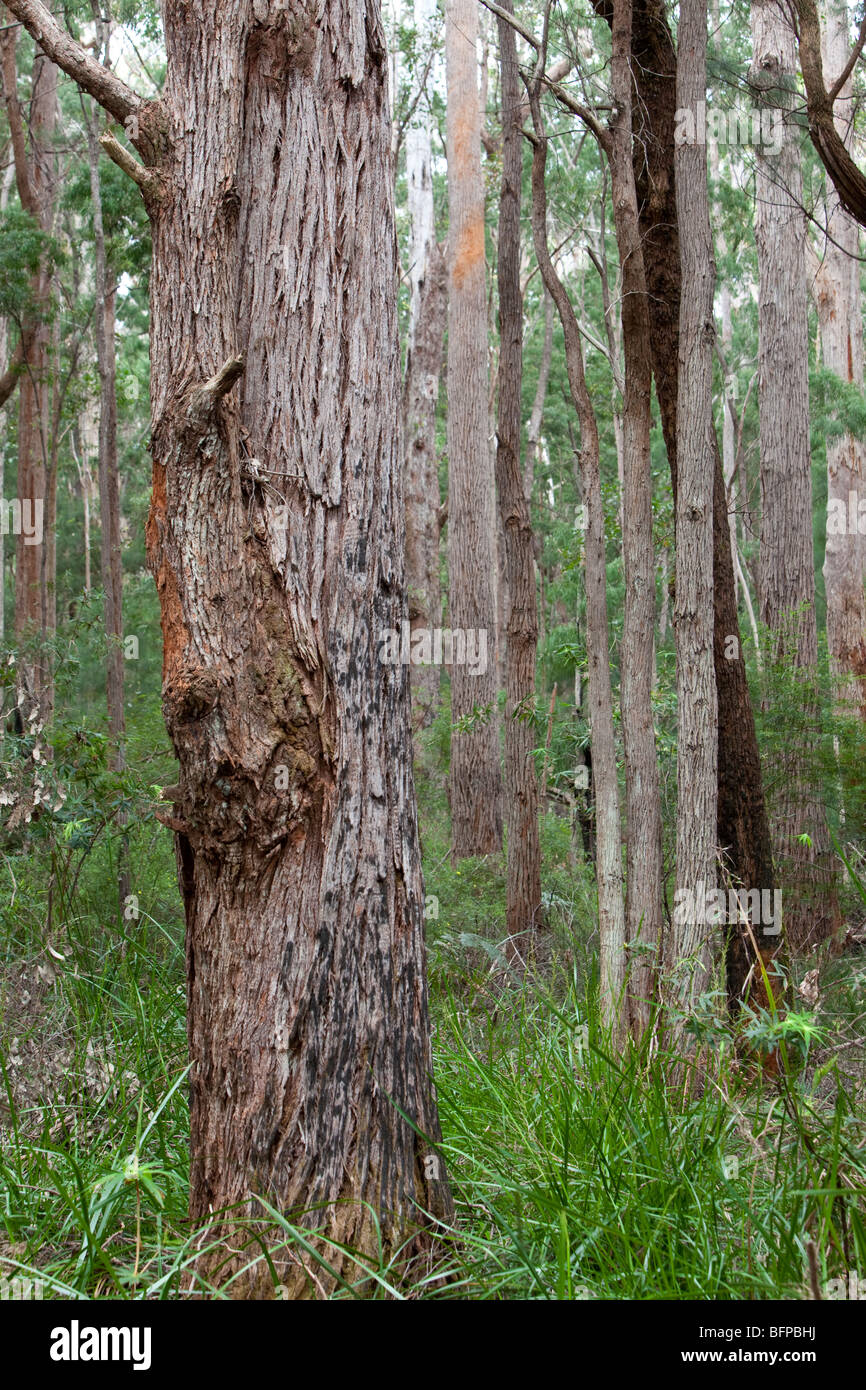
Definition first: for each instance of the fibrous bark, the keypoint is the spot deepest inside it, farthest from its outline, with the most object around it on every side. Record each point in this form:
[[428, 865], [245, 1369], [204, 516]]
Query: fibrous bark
[[690, 948], [523, 909], [476, 778], [274, 539], [787, 573]]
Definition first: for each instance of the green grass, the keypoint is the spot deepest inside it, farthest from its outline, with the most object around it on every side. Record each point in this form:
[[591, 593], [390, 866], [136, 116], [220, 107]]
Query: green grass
[[577, 1173]]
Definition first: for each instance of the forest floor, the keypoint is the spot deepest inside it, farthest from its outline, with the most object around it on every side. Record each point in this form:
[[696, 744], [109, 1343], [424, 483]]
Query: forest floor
[[577, 1173]]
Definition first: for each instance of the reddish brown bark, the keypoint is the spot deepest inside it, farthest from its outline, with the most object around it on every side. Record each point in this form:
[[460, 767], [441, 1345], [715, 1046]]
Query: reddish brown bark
[[274, 541], [523, 909]]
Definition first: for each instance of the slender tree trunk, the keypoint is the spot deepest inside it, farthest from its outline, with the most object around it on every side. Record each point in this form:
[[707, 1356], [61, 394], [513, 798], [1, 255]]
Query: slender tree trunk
[[643, 798], [476, 778], [609, 877], [840, 313], [523, 911], [109, 483], [787, 573], [5, 189], [533, 429], [276, 457], [689, 954], [743, 827], [428, 307], [111, 561], [35, 178], [81, 455]]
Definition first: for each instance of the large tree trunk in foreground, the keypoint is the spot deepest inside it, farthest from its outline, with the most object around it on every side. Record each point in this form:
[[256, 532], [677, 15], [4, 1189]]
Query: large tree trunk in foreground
[[608, 864], [523, 910], [476, 778], [743, 827], [273, 538], [427, 276], [840, 314], [787, 564], [690, 948]]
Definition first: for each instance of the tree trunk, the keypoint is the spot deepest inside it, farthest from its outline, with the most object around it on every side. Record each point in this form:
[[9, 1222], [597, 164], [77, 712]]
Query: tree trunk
[[609, 878], [523, 910], [643, 798], [840, 313], [689, 955], [787, 567], [35, 178], [428, 306], [107, 470], [476, 778], [533, 429], [273, 538], [743, 827]]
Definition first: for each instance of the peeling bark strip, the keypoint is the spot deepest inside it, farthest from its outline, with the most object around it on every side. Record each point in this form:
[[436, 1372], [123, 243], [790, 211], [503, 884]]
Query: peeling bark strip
[[297, 834]]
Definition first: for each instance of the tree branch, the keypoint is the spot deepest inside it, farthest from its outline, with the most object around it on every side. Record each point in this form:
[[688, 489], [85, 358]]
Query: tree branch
[[849, 180], [10, 377], [205, 398], [148, 181], [849, 66], [119, 101]]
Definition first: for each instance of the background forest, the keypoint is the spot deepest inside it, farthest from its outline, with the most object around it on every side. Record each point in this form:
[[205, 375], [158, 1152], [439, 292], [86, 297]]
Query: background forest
[[592, 1151]]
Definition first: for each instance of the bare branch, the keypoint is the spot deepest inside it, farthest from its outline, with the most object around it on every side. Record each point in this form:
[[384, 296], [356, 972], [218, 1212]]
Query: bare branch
[[119, 101], [10, 377], [849, 66], [148, 181], [205, 398]]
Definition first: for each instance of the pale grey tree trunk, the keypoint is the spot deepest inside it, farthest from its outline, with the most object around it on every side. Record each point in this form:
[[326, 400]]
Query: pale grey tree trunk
[[427, 276], [836, 289], [787, 575], [690, 943], [476, 777], [605, 780], [643, 798]]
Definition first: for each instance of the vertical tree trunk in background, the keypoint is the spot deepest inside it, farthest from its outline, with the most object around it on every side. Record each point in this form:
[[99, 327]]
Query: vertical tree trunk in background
[[274, 338], [428, 288], [109, 483], [523, 910], [690, 949], [787, 573], [643, 798], [729, 379], [533, 429], [840, 314], [608, 864], [5, 189], [476, 778], [35, 177], [743, 827], [80, 445]]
